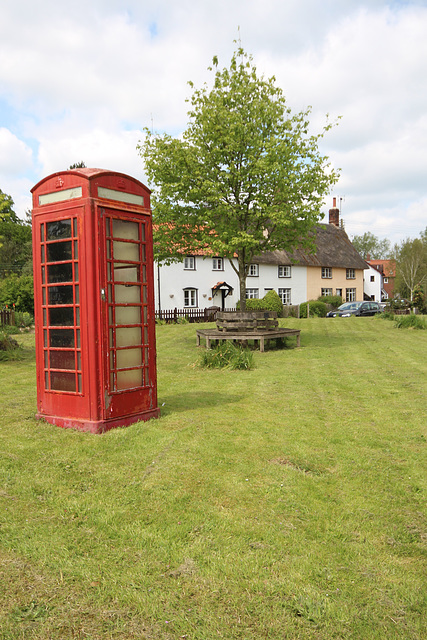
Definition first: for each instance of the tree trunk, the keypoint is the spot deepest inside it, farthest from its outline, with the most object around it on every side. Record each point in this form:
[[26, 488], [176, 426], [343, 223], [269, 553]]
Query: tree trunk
[[242, 285]]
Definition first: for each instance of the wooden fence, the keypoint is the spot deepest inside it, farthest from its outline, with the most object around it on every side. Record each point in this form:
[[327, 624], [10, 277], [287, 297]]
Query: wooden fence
[[192, 315], [7, 316]]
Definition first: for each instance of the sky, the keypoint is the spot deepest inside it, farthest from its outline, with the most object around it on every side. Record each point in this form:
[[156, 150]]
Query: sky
[[80, 80]]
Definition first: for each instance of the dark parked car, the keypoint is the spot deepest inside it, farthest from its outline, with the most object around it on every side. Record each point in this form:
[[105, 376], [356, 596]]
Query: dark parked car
[[355, 309]]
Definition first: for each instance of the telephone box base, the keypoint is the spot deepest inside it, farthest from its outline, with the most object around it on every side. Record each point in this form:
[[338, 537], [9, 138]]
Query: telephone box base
[[98, 426]]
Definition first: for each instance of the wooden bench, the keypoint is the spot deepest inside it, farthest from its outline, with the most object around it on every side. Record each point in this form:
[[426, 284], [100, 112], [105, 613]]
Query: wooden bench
[[246, 321], [261, 335]]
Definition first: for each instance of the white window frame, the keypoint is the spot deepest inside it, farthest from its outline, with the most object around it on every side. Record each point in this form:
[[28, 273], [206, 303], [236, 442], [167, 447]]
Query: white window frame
[[190, 263], [284, 271], [350, 294], [326, 291], [253, 270], [285, 295], [327, 272], [350, 274], [218, 264], [252, 294], [190, 298], [385, 280]]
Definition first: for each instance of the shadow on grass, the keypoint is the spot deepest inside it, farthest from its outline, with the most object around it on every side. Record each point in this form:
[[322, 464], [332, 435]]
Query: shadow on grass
[[189, 400]]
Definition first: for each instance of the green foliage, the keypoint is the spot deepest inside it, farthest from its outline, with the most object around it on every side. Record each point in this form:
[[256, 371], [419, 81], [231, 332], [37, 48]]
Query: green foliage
[[369, 245], [77, 165], [245, 177], [334, 301], [182, 320], [23, 319], [386, 315], [419, 299], [270, 302], [273, 302], [9, 347], [411, 321], [15, 239], [18, 291], [6, 205], [411, 266], [318, 309], [227, 355]]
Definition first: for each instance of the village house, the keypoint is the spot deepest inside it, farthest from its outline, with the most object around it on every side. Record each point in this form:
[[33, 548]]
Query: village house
[[203, 280], [387, 269]]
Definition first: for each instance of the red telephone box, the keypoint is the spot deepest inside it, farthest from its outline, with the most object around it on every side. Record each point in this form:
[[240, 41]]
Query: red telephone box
[[94, 300]]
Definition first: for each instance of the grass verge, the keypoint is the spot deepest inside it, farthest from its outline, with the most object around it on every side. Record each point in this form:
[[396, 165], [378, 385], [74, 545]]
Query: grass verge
[[286, 502]]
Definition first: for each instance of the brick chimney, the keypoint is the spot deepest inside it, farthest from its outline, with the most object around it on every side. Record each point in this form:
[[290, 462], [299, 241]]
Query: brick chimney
[[334, 214]]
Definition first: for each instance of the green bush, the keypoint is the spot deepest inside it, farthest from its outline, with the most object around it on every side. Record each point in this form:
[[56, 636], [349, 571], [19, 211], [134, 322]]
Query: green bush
[[317, 309], [334, 301], [23, 319], [270, 302], [411, 322], [9, 348], [227, 355], [17, 291]]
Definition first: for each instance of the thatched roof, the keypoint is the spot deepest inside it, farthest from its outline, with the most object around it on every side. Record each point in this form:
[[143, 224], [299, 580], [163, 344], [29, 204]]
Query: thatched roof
[[333, 249]]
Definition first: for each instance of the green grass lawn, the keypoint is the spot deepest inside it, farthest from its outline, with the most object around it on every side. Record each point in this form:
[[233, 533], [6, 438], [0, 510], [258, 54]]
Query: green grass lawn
[[286, 502]]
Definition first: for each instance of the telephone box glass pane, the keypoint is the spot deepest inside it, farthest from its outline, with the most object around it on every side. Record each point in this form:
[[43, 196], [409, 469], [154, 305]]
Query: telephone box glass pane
[[60, 272], [59, 251], [126, 273], [128, 315], [62, 381], [129, 379], [62, 360], [61, 295], [61, 338], [61, 316], [125, 229], [58, 229], [129, 358], [125, 251], [126, 293], [128, 336]]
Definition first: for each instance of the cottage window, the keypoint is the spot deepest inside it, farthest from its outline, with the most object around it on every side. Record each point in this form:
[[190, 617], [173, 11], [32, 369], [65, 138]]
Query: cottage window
[[252, 293], [190, 297], [372, 278], [217, 264], [326, 292], [190, 263], [284, 271], [326, 272], [385, 280], [253, 270], [285, 295], [350, 274], [350, 295]]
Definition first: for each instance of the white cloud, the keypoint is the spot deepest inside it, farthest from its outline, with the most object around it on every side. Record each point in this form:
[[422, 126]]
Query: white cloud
[[80, 80], [15, 155]]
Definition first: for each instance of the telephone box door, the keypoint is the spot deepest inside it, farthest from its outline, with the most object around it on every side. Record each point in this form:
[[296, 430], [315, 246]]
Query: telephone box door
[[129, 367]]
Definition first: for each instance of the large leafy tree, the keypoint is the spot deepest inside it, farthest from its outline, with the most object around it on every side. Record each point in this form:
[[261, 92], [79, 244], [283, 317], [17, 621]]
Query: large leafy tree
[[246, 176], [369, 245]]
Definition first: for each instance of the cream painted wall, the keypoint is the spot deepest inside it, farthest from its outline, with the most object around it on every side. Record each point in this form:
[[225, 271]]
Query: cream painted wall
[[315, 282]]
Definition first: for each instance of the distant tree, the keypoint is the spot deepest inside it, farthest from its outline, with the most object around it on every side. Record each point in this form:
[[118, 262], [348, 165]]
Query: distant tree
[[77, 165], [6, 205], [17, 291], [369, 245], [411, 265], [245, 177], [15, 242]]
